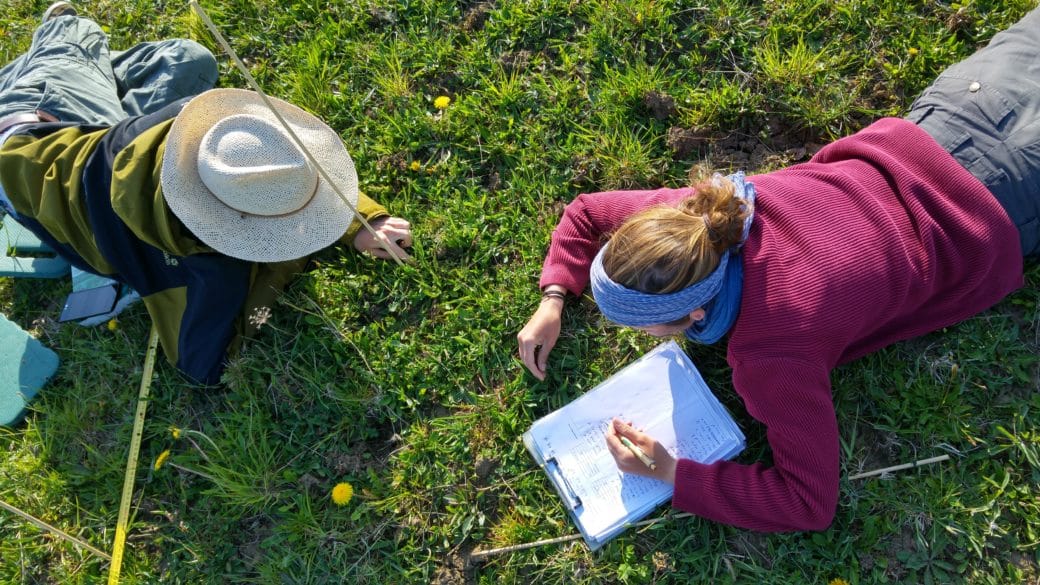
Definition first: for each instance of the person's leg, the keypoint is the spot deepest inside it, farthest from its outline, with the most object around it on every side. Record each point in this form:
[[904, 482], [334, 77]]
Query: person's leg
[[65, 73], [150, 76], [9, 72], [985, 111]]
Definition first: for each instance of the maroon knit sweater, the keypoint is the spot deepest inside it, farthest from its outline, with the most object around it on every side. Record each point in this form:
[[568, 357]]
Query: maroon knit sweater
[[882, 236]]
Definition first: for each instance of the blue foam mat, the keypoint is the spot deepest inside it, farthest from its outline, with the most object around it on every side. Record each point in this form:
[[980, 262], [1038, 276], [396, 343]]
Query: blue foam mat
[[25, 366], [16, 239]]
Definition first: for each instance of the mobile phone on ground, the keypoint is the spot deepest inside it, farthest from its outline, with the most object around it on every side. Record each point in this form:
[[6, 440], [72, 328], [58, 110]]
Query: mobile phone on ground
[[89, 303]]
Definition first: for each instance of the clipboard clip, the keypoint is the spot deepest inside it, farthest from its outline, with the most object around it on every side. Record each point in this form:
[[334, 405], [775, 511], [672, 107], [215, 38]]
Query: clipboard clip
[[552, 468]]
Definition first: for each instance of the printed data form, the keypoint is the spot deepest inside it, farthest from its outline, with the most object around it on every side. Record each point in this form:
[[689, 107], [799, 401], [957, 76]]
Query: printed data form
[[661, 394]]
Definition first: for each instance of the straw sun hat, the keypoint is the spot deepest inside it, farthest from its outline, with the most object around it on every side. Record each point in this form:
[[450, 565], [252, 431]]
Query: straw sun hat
[[238, 181]]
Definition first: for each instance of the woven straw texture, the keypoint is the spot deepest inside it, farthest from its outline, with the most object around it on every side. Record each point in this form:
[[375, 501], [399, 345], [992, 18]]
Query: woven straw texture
[[260, 199]]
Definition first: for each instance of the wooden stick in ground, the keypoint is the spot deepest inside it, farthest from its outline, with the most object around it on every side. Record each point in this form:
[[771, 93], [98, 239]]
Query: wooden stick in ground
[[285, 125], [480, 554], [901, 467], [483, 554], [55, 531]]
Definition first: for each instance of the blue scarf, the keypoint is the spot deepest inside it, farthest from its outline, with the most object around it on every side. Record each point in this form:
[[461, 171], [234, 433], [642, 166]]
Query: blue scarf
[[718, 294]]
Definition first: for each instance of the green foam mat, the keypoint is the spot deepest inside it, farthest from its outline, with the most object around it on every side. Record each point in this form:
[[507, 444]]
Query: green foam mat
[[15, 239], [25, 366]]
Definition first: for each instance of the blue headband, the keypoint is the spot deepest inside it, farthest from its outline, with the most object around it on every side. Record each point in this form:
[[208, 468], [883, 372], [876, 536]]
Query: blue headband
[[718, 293], [633, 308]]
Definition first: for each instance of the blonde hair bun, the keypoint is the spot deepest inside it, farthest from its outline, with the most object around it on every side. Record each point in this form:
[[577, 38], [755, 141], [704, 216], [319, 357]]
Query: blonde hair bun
[[665, 248]]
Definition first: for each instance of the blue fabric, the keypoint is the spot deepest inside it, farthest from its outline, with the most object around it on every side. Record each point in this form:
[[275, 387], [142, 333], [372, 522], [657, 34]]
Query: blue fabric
[[633, 308], [216, 286], [70, 73], [718, 294], [721, 312], [5, 204]]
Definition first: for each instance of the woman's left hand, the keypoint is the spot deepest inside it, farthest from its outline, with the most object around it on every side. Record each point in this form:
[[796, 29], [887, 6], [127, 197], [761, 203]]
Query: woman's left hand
[[628, 462], [394, 232]]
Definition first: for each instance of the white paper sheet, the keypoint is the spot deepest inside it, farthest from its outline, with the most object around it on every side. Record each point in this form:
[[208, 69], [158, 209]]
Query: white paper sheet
[[662, 394]]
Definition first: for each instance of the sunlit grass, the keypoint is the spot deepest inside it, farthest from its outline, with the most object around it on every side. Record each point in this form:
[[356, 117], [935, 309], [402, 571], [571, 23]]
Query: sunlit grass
[[404, 381]]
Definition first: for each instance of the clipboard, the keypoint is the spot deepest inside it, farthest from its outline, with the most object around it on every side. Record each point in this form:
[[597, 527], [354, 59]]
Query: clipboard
[[661, 391]]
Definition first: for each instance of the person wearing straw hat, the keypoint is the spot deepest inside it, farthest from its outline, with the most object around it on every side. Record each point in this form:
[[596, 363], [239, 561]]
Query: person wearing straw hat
[[906, 227], [197, 198]]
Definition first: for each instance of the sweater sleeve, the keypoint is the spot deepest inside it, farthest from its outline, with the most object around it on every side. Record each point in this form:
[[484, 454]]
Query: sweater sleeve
[[586, 222], [368, 209], [800, 490]]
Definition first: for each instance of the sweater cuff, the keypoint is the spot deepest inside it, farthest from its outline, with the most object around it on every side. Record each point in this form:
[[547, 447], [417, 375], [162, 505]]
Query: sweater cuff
[[561, 277], [368, 209], [689, 482]]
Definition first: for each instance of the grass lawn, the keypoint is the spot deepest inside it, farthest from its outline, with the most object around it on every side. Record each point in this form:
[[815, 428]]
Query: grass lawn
[[404, 382]]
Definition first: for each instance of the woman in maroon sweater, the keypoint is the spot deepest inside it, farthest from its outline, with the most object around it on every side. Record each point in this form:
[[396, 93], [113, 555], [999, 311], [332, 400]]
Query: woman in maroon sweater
[[903, 228]]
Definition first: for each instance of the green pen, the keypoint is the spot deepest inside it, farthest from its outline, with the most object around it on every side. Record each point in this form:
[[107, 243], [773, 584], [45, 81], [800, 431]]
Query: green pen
[[639, 453]]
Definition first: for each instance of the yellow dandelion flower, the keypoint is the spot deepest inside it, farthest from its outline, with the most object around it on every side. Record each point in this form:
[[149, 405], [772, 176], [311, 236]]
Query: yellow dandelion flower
[[113, 324], [161, 459], [342, 493], [442, 102], [912, 51], [175, 432], [837, 581], [415, 166]]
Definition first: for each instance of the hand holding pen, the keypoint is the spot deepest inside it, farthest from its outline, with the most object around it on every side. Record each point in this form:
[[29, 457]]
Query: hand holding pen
[[638, 453]]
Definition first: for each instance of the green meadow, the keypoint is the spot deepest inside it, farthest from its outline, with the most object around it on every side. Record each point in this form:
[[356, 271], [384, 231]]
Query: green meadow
[[404, 381]]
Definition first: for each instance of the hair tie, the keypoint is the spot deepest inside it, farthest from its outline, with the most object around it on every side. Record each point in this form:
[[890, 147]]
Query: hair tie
[[713, 236]]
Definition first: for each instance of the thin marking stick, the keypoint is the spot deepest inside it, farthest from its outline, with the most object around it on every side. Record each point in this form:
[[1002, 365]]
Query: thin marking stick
[[483, 554], [480, 554], [256, 87], [901, 467], [56, 531], [131, 461]]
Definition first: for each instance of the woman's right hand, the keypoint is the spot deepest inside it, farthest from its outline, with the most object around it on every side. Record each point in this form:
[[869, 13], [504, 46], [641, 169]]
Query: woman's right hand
[[539, 336], [629, 462]]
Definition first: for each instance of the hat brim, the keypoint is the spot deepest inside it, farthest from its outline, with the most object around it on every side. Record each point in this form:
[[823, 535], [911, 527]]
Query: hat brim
[[317, 225]]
